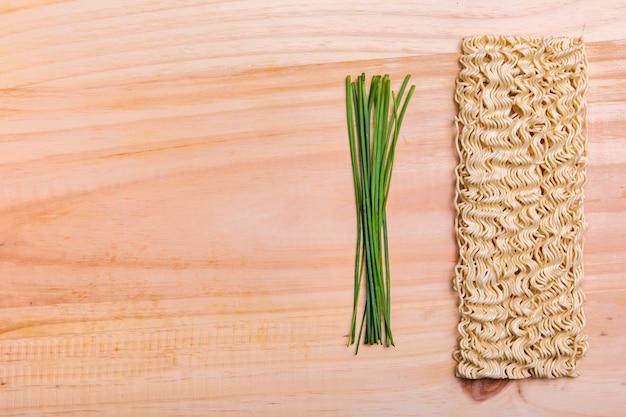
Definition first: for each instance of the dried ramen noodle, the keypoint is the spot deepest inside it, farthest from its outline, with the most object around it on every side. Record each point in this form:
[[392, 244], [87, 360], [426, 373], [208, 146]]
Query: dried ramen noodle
[[520, 224]]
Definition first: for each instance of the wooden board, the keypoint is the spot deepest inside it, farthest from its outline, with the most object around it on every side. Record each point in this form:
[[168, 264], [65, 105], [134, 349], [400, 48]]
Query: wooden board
[[177, 222]]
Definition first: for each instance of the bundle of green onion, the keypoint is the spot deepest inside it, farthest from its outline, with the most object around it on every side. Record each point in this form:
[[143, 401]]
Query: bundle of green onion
[[374, 121]]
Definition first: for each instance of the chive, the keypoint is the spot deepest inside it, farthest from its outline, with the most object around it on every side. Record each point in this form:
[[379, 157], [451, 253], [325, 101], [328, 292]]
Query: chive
[[374, 120]]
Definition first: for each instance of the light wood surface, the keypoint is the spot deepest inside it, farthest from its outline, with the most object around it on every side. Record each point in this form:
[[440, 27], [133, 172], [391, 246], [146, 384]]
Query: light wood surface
[[177, 221]]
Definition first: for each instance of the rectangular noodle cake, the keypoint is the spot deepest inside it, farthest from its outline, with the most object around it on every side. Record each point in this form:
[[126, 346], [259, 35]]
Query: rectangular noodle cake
[[520, 224]]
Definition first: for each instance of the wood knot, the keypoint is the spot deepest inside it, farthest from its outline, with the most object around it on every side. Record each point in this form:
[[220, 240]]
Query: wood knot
[[483, 389]]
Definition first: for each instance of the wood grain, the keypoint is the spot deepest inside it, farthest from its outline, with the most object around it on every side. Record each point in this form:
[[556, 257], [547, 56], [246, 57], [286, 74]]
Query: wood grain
[[176, 213]]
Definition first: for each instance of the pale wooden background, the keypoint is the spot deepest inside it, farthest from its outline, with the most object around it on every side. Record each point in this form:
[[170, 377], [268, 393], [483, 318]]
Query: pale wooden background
[[177, 221]]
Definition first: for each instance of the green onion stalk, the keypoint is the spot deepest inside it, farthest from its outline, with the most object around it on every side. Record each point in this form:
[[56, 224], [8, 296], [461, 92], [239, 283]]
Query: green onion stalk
[[374, 120]]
